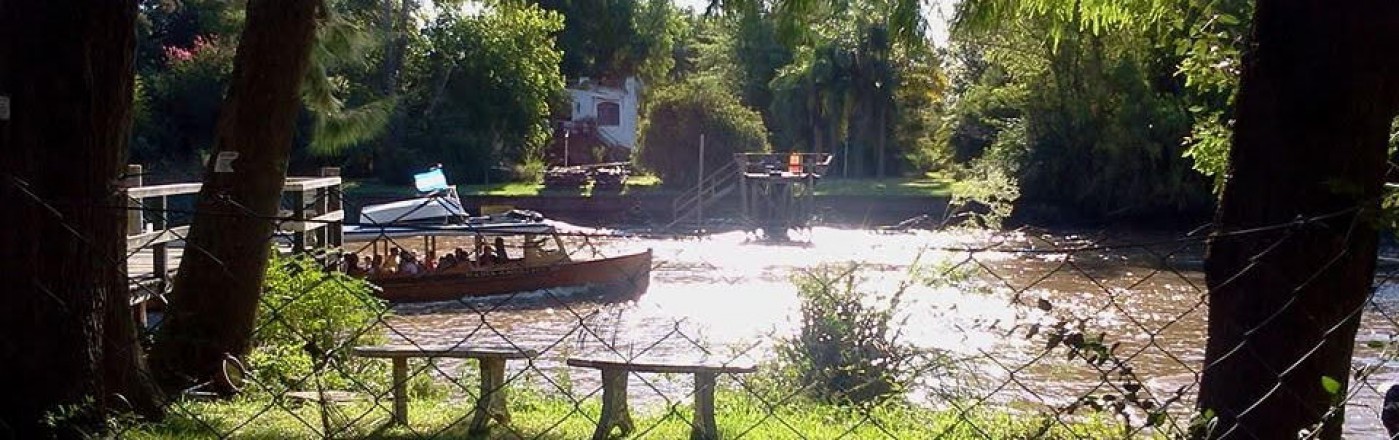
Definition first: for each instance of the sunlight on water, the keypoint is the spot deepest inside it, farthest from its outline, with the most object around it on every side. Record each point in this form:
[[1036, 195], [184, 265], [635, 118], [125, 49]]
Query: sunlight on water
[[732, 295]]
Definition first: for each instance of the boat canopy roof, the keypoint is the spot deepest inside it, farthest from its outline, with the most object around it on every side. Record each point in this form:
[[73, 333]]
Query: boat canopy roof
[[469, 229]]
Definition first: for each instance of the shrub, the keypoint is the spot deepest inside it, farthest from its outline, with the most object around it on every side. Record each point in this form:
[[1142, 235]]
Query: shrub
[[308, 321], [677, 117], [849, 349]]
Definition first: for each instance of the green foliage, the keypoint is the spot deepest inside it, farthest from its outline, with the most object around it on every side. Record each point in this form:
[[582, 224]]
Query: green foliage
[[180, 104], [849, 349], [984, 193], [1210, 41], [918, 109], [1198, 42], [758, 55], [307, 323], [186, 58], [857, 88], [1061, 18], [340, 45], [1093, 123], [676, 118], [479, 92], [617, 38]]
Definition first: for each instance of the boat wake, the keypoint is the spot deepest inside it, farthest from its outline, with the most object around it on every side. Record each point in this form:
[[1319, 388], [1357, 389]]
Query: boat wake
[[527, 300]]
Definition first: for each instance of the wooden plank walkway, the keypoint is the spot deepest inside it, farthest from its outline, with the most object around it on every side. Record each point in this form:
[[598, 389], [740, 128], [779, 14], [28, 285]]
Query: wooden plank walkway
[[140, 269]]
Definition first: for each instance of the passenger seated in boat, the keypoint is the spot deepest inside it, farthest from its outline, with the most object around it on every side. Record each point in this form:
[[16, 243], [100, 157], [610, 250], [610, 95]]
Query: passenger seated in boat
[[500, 250], [376, 263], [350, 264], [391, 262], [430, 263], [409, 264], [446, 262]]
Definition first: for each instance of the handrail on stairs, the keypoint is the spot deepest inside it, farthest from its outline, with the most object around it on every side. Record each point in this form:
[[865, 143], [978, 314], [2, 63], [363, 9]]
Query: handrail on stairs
[[711, 187]]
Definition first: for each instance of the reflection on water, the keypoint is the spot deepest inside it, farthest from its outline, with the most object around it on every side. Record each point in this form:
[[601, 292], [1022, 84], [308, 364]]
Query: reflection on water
[[726, 295]]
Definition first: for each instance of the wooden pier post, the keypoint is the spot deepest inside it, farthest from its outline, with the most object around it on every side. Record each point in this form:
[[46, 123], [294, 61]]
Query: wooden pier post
[[135, 224], [335, 201], [298, 214]]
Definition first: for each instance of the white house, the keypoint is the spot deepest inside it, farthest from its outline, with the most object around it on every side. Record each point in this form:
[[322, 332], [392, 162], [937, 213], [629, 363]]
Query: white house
[[613, 109]]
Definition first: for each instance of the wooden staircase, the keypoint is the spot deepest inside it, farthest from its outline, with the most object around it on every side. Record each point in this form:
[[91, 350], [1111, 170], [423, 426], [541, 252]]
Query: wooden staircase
[[689, 205]]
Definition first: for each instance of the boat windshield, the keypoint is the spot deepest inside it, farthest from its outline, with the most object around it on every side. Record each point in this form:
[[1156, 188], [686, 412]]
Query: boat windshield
[[543, 249]]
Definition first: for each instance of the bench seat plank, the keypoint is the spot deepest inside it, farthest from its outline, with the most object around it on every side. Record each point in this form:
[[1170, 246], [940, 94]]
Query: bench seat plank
[[675, 367], [444, 351]]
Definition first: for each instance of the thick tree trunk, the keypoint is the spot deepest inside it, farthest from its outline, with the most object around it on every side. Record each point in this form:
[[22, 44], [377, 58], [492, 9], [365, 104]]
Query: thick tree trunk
[[1318, 94], [217, 289], [69, 341]]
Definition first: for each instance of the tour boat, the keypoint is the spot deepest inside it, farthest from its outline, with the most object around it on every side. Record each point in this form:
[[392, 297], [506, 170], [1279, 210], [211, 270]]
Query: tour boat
[[533, 261], [488, 268], [618, 278]]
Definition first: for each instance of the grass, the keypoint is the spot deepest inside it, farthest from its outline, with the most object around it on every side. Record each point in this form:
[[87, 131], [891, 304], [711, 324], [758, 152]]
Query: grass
[[932, 185], [535, 415]]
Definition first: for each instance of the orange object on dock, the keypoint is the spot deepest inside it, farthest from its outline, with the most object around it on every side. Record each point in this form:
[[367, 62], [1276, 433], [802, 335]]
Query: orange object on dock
[[794, 163]]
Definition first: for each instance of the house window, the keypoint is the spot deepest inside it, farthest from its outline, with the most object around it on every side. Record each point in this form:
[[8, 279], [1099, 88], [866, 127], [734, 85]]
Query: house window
[[609, 114]]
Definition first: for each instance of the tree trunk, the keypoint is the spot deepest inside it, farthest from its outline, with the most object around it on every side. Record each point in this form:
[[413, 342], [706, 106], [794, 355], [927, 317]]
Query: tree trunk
[[69, 344], [217, 289], [883, 134], [1318, 94], [813, 110]]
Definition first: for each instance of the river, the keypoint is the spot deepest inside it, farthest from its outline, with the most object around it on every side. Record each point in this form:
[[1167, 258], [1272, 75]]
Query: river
[[731, 296]]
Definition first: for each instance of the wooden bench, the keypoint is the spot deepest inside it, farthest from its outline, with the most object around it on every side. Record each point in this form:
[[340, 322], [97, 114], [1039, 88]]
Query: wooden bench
[[614, 390], [490, 404]]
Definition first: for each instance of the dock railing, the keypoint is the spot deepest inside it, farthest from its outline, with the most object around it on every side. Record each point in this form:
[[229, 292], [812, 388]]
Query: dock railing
[[313, 208], [795, 163]]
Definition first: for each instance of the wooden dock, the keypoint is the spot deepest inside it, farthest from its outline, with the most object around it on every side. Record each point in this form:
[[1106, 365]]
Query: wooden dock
[[313, 210], [778, 190]]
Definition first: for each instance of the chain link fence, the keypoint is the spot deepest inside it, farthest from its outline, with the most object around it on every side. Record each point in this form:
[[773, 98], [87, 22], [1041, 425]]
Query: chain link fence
[[840, 333]]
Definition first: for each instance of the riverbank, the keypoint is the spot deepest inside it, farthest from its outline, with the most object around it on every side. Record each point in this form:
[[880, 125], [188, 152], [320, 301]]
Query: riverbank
[[644, 202]]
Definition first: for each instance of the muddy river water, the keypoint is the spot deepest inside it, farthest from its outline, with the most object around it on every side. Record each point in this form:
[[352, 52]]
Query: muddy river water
[[732, 297]]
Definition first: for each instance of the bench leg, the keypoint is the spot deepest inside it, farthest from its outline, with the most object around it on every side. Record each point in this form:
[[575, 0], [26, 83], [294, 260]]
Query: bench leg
[[400, 391], [704, 427], [491, 404], [614, 404]]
